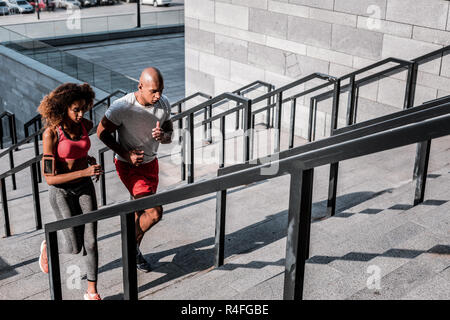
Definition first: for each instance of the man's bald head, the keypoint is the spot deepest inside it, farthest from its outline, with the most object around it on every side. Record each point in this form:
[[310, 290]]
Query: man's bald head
[[151, 85], [151, 74]]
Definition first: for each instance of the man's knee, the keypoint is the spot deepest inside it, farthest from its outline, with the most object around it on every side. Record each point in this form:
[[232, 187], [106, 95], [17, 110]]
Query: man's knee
[[155, 213]]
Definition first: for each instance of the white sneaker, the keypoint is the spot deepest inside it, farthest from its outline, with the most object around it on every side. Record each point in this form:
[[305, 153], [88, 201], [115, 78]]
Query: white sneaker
[[91, 296]]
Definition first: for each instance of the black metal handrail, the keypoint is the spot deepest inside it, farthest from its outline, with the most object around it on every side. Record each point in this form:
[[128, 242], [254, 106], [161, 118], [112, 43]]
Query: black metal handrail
[[245, 105], [12, 127], [420, 113], [32, 164], [278, 104], [36, 121], [13, 135], [300, 167], [411, 65], [107, 100], [248, 88], [423, 148], [188, 137]]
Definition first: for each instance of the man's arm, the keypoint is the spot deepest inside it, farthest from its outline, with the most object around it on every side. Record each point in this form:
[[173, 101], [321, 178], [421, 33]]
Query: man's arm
[[163, 133], [167, 128]]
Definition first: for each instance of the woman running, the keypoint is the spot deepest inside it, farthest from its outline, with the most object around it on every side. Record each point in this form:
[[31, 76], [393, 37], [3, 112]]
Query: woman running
[[67, 169]]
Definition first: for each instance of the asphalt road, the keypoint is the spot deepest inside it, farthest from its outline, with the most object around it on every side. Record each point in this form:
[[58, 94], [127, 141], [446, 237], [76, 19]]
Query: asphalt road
[[119, 8]]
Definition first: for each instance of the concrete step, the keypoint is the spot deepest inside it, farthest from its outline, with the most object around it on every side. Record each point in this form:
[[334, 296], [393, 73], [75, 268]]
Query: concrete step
[[374, 226], [339, 268]]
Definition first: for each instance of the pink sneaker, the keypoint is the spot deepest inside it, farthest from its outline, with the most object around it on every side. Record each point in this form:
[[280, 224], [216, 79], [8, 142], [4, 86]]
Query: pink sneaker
[[91, 296], [43, 262]]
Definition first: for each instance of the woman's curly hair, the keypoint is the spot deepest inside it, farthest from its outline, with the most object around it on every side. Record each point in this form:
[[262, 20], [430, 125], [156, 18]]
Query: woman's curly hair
[[53, 107]]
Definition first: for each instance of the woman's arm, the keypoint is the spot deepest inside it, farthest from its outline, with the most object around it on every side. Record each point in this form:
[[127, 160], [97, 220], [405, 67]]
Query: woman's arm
[[49, 140]]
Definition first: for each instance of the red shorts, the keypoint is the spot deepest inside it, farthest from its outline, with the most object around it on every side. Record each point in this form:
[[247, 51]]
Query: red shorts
[[142, 180]]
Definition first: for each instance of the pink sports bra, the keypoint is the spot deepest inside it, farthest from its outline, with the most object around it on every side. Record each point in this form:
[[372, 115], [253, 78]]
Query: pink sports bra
[[69, 149]]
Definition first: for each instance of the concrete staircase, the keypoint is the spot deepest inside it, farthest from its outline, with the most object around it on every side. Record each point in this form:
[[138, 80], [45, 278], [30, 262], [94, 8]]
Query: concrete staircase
[[375, 229]]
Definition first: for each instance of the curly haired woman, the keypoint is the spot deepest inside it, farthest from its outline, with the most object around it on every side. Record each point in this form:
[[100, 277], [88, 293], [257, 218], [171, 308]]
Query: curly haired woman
[[67, 169]]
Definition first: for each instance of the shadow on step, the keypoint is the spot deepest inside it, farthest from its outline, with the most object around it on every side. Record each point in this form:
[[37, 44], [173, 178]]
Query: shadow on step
[[199, 256], [391, 253]]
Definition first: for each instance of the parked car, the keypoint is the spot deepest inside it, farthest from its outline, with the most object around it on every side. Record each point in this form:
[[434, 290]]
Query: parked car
[[68, 4], [21, 6], [13, 7], [156, 3], [4, 9], [106, 2], [88, 3]]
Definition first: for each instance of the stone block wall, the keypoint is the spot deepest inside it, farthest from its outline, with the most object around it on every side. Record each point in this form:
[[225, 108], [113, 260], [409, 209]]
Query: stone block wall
[[230, 43]]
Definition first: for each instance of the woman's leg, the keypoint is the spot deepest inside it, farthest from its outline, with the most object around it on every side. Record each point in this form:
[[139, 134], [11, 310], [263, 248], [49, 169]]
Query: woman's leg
[[63, 204], [88, 203]]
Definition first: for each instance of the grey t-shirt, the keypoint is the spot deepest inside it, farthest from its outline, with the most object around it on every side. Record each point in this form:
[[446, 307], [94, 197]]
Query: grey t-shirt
[[136, 122]]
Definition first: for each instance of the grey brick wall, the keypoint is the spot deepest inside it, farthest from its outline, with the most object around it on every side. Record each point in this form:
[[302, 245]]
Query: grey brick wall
[[230, 43]]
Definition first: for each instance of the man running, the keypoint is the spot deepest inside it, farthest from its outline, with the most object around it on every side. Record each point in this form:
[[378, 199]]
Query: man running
[[142, 120]]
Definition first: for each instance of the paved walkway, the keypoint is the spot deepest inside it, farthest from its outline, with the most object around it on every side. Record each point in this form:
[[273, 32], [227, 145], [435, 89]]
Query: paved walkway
[[131, 56]]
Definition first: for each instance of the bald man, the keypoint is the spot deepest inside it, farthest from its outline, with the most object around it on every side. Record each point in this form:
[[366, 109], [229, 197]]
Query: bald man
[[142, 120]]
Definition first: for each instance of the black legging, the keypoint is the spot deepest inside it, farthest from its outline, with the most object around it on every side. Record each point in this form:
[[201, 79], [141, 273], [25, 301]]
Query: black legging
[[68, 200]]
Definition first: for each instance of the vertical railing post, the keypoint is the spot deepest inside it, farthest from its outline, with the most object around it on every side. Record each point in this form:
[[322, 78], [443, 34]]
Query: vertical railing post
[[101, 157], [181, 141], [205, 125], [13, 129], [334, 167], [11, 165], [299, 224], [237, 113], [335, 107], [252, 136], [36, 153], [127, 223], [247, 128], [314, 103], [222, 143], [40, 127], [138, 14], [351, 101], [180, 122], [421, 170], [5, 209], [278, 114], [219, 242], [1, 133], [36, 198], [209, 137], [312, 119], [190, 149], [292, 123], [53, 265], [411, 81], [269, 99], [25, 130]]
